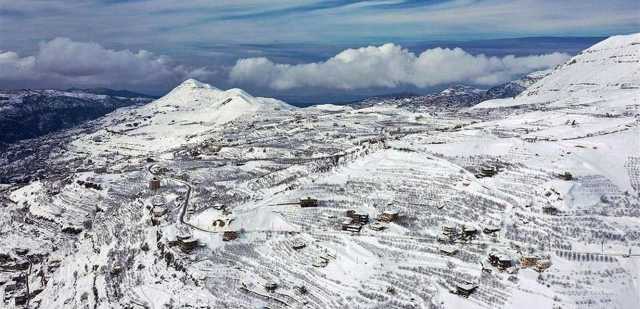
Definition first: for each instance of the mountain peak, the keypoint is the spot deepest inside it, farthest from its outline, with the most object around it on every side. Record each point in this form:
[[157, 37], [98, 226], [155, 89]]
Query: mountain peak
[[194, 83]]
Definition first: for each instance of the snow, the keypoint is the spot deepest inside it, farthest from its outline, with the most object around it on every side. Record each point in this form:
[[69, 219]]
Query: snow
[[609, 68], [259, 157], [178, 118]]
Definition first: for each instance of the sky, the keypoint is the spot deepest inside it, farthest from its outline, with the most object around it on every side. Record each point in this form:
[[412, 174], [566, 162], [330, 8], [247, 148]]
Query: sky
[[297, 49]]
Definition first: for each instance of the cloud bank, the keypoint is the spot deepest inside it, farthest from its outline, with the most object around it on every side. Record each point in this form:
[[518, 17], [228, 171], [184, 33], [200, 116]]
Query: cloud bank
[[62, 62], [389, 66]]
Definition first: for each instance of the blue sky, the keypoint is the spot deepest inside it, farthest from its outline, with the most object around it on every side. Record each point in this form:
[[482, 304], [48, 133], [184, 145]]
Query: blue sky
[[205, 39]]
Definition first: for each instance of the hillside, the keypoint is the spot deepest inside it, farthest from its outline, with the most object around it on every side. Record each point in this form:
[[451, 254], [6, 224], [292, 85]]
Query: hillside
[[209, 198], [32, 113], [182, 115]]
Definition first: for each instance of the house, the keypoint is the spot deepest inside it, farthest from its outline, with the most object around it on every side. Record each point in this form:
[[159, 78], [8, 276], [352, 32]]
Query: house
[[486, 171], [320, 261], [388, 216], [529, 260], [346, 222], [229, 235], [21, 298], [490, 229], [154, 183], [465, 288], [449, 230], [469, 231], [549, 210], [444, 239], [565, 176], [377, 226], [500, 261], [542, 265], [350, 225], [270, 286], [298, 244], [357, 218], [504, 262], [300, 289], [188, 244], [183, 234], [308, 202]]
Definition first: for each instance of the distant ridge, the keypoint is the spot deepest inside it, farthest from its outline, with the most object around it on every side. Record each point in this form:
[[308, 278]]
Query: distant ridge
[[123, 93]]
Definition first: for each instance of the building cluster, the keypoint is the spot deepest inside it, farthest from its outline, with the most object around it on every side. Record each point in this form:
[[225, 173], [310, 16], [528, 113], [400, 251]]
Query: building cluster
[[504, 262], [16, 266], [354, 221], [450, 233]]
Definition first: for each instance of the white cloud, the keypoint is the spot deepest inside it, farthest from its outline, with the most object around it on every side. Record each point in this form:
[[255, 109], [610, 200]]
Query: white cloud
[[390, 66], [63, 62]]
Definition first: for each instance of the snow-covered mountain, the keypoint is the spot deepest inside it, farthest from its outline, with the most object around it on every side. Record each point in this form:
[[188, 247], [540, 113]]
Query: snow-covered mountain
[[32, 113], [608, 71], [458, 96], [216, 199], [182, 115]]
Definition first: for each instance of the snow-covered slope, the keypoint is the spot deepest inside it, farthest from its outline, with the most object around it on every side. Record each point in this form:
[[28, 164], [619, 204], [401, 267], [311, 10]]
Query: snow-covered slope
[[481, 195], [32, 113], [180, 116], [609, 70]]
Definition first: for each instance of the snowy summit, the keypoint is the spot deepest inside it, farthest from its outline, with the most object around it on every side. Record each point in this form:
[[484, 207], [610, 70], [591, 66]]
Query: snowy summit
[[210, 198]]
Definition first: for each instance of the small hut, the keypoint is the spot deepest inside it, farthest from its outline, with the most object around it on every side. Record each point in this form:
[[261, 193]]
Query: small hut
[[465, 288]]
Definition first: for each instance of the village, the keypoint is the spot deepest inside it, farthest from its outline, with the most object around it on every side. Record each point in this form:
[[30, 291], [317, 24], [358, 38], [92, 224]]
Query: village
[[228, 196], [385, 205]]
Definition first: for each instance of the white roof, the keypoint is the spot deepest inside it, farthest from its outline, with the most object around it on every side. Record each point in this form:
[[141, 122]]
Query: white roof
[[466, 286]]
